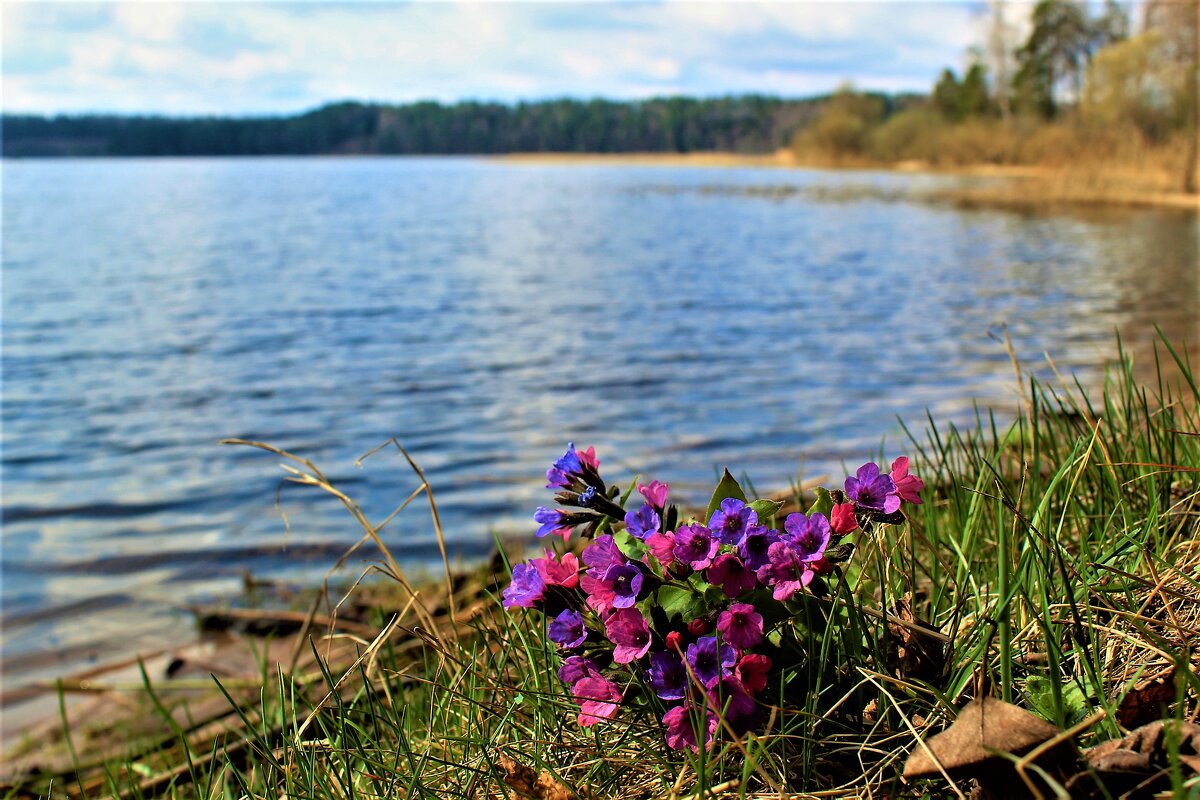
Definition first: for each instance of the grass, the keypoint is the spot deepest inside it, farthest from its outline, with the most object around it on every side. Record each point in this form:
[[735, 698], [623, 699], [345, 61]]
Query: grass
[[1055, 564]]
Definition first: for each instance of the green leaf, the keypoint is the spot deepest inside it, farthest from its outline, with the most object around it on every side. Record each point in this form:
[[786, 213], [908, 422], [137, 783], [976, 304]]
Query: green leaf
[[1039, 695], [629, 491], [823, 504], [727, 488], [630, 546], [766, 510], [678, 601]]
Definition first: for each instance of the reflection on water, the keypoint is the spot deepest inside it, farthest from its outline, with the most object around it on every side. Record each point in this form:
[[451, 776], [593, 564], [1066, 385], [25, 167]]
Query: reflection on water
[[484, 314]]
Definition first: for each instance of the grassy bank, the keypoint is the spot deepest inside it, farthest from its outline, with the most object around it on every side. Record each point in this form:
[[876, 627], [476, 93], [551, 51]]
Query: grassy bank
[[1055, 565]]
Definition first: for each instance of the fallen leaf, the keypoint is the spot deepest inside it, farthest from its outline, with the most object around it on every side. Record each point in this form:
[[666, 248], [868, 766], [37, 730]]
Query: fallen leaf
[[972, 747], [1139, 760], [1147, 700], [524, 781], [910, 654]]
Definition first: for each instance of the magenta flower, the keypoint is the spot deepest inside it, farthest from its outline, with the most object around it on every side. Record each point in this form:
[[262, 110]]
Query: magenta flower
[[754, 545], [598, 698], [681, 728], [752, 671], [710, 660], [728, 572], [552, 521], [556, 572], [908, 486], [785, 573], [655, 493], [808, 536], [601, 554], [870, 489], [741, 626], [667, 675], [841, 518], [643, 522], [626, 582], [662, 547], [527, 588], [576, 668], [731, 520], [695, 546], [567, 629], [627, 629]]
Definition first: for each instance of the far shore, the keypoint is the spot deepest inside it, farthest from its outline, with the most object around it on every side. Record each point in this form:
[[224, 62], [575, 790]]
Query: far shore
[[1017, 186]]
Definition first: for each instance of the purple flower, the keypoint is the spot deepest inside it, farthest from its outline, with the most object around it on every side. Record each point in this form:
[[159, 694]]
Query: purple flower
[[551, 521], [564, 469], [808, 536], [627, 629], [601, 554], [568, 629], [643, 522], [709, 660], [730, 521], [667, 676], [786, 573], [681, 728], [598, 698], [754, 545], [655, 494], [732, 699], [869, 489], [695, 546], [626, 582], [586, 497], [728, 572], [741, 626], [600, 595], [576, 668], [527, 588]]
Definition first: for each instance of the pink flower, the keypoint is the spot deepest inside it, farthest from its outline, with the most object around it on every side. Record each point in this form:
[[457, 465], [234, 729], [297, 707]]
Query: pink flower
[[588, 457], [841, 518], [681, 730], [655, 493], [662, 547], [752, 671], [598, 698], [600, 594], [908, 487], [564, 573], [627, 629]]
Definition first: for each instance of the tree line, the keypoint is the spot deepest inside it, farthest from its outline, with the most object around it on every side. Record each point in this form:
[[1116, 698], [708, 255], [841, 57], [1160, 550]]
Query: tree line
[[750, 124]]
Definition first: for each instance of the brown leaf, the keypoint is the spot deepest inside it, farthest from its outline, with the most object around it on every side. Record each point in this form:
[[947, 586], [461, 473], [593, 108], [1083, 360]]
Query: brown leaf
[[911, 654], [971, 747], [1138, 760], [524, 781], [1147, 700]]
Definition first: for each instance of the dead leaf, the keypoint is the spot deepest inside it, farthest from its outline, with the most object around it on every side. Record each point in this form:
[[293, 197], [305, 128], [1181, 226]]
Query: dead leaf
[[1147, 700], [911, 654], [524, 781], [1138, 761], [971, 748]]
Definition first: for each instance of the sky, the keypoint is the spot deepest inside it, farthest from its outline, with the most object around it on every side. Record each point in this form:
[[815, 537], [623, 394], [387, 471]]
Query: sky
[[269, 57]]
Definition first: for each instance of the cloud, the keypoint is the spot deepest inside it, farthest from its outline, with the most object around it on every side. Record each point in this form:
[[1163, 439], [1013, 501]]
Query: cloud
[[241, 57]]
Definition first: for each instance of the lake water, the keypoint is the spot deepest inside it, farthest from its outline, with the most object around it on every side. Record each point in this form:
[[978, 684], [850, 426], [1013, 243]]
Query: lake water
[[483, 313]]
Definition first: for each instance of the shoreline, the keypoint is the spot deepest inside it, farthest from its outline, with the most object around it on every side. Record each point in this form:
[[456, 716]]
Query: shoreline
[[1015, 186]]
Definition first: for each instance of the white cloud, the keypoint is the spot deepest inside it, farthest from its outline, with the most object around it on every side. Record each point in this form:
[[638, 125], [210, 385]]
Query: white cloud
[[255, 57]]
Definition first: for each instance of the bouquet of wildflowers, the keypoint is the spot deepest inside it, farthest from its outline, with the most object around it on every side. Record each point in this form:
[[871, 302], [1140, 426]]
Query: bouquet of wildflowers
[[688, 615]]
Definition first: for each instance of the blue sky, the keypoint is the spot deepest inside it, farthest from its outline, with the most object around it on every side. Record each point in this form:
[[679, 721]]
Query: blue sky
[[246, 58]]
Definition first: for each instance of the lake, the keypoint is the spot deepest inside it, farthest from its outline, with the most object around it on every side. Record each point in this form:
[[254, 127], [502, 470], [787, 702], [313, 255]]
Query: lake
[[483, 313]]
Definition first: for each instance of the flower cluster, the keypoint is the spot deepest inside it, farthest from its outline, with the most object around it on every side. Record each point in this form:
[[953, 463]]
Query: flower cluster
[[686, 615]]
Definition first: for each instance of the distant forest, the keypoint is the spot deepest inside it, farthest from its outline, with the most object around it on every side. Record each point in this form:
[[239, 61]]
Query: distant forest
[[746, 124]]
